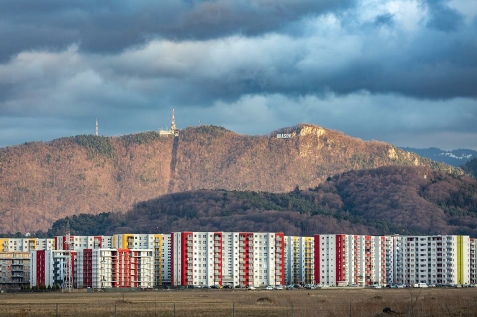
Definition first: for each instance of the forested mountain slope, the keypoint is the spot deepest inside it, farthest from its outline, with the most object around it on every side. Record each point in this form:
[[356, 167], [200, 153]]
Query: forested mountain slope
[[386, 200], [471, 167], [42, 182]]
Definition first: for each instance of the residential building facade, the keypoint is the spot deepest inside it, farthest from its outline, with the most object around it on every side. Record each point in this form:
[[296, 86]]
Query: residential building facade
[[236, 258]]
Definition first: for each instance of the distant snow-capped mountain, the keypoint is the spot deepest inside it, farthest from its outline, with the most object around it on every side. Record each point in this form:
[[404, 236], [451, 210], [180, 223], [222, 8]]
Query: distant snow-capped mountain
[[455, 157]]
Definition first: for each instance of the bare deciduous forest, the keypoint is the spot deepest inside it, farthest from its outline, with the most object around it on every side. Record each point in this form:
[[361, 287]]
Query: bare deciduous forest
[[386, 200], [41, 182]]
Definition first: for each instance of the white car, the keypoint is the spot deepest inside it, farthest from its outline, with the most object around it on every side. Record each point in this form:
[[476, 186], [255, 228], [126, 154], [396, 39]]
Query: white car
[[251, 288], [279, 287], [269, 287]]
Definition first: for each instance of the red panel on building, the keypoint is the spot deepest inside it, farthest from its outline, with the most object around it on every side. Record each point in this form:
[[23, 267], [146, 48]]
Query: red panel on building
[[87, 268], [218, 258], [73, 255], [317, 259], [246, 239], [121, 268], [186, 260], [40, 267], [280, 256]]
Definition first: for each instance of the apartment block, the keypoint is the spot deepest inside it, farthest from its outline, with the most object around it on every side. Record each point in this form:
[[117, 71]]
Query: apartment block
[[159, 243], [473, 260], [299, 260], [52, 267], [235, 258], [25, 244], [432, 259], [71, 242], [14, 270], [342, 260]]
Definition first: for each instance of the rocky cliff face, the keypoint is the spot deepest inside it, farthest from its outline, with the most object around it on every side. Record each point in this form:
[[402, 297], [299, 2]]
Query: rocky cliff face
[[42, 182]]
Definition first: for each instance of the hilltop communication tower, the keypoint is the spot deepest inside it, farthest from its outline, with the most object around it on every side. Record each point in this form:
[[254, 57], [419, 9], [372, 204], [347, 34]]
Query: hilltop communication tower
[[97, 127], [173, 122], [173, 131]]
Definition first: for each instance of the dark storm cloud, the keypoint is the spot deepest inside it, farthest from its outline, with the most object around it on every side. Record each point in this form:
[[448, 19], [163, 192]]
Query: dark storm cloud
[[111, 26], [430, 64], [252, 66], [442, 17], [384, 19]]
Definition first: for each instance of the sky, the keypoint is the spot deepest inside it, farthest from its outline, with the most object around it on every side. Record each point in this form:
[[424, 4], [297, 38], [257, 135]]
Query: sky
[[398, 71]]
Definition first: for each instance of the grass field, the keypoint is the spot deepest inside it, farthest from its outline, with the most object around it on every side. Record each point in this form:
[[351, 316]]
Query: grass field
[[238, 303]]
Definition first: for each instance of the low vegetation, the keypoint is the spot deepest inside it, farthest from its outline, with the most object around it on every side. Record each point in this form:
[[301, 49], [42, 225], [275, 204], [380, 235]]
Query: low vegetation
[[241, 303]]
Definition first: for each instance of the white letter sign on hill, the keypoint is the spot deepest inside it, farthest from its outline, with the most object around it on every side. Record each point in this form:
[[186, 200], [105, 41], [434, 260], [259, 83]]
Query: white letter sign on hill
[[284, 136]]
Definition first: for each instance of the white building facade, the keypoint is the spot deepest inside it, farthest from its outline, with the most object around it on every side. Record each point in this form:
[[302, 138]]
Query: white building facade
[[433, 259], [220, 258]]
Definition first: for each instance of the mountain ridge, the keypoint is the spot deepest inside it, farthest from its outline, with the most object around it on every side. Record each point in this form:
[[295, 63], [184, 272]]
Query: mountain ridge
[[456, 157], [42, 182]]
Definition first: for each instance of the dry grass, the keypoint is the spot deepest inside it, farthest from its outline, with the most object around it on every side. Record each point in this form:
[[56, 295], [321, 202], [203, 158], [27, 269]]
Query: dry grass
[[238, 303]]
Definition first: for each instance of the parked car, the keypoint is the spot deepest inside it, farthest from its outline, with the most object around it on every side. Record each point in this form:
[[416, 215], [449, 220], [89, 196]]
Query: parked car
[[279, 287], [291, 286], [251, 288], [420, 285], [269, 287]]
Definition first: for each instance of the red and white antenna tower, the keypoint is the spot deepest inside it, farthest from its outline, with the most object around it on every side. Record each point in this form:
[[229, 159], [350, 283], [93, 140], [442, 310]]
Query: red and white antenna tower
[[68, 284], [173, 122]]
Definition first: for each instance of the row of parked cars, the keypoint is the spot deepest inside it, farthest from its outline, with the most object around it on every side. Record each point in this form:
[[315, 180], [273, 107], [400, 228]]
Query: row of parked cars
[[314, 286], [281, 287]]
